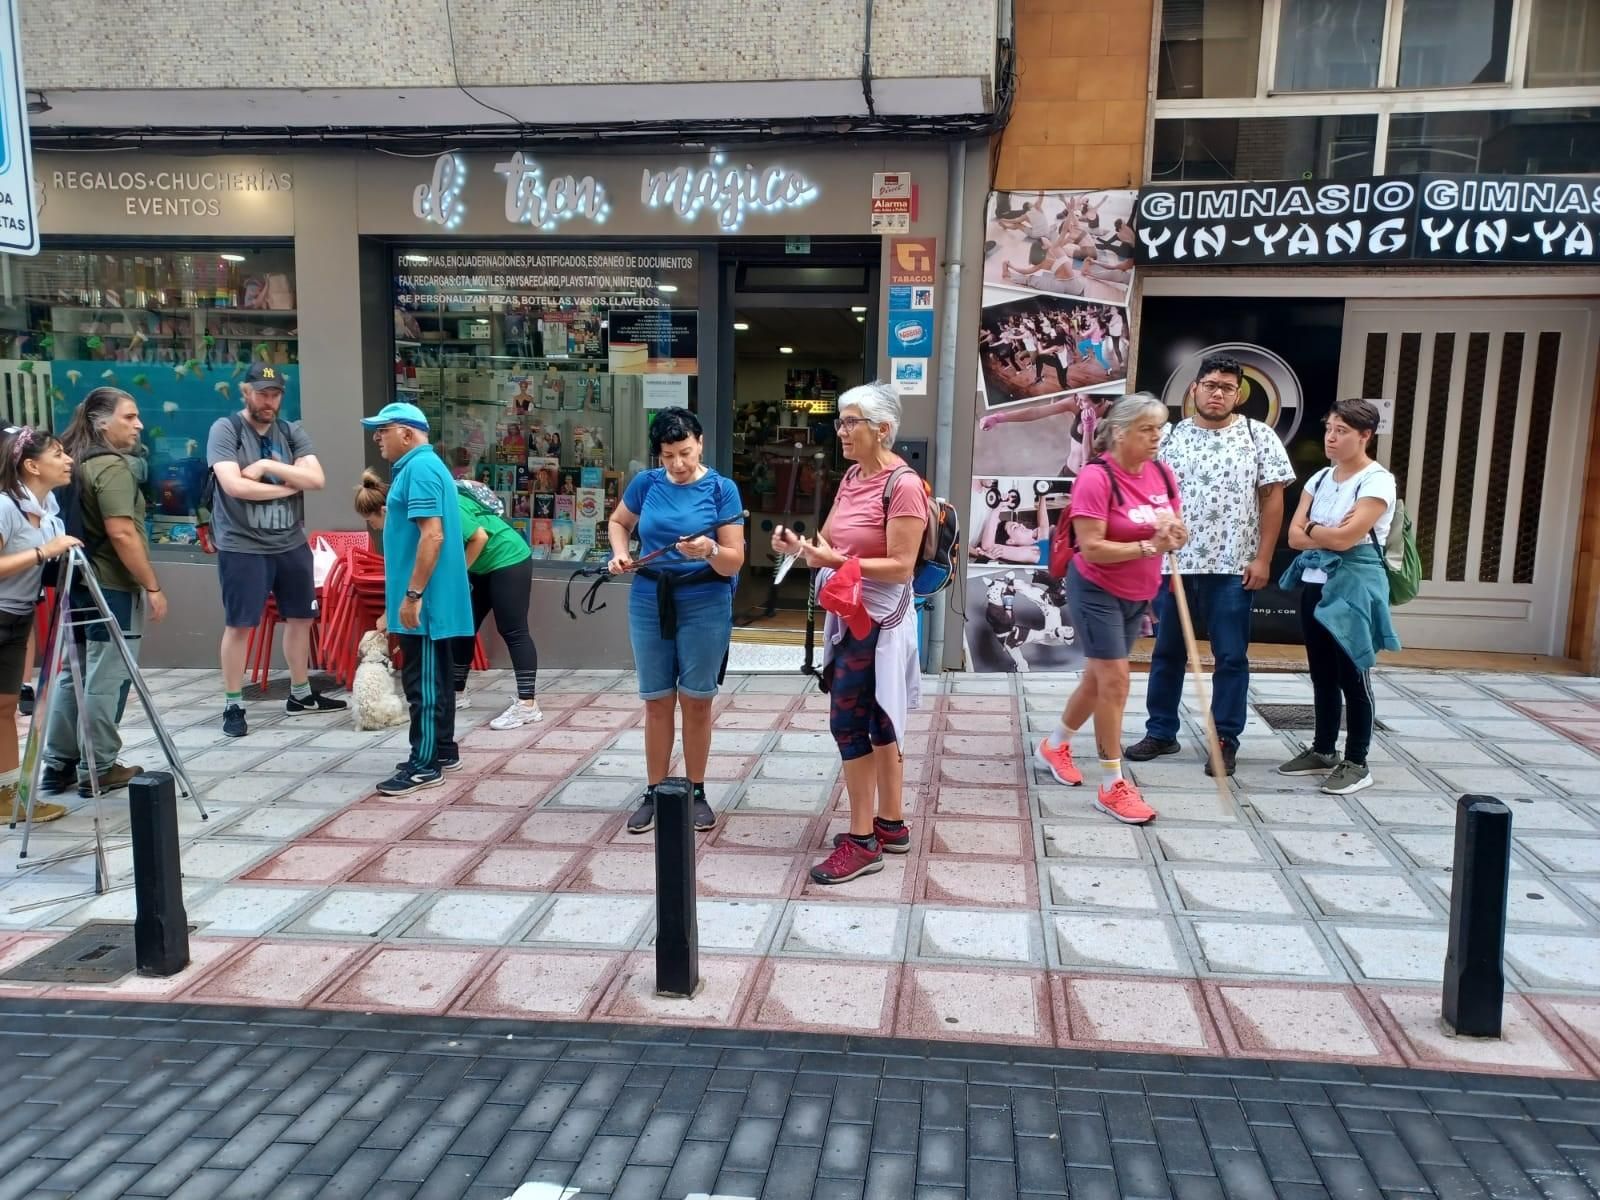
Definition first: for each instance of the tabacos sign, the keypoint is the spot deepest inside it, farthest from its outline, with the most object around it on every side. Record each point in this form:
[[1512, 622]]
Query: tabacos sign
[[724, 191], [1396, 219]]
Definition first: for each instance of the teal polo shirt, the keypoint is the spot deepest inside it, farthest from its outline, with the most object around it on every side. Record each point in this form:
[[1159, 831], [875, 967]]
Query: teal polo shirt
[[420, 486]]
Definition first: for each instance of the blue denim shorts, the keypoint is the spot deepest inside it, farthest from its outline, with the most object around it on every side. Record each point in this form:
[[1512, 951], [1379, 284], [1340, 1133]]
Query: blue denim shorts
[[689, 663]]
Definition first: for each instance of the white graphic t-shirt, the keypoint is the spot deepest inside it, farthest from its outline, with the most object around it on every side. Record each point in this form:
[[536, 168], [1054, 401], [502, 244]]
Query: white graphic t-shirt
[[1219, 472]]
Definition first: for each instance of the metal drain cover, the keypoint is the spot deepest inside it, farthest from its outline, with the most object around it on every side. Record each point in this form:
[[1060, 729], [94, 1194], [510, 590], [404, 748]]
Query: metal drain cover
[[100, 952], [1297, 716]]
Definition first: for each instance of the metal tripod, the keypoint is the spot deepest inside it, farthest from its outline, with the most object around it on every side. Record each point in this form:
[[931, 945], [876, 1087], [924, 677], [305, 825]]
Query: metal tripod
[[64, 651]]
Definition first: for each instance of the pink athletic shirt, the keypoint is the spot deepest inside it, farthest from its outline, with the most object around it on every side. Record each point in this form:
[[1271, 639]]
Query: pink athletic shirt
[[857, 525], [1134, 520]]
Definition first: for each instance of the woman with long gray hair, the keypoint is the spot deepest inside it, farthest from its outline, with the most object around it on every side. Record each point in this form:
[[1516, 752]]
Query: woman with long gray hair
[[869, 657], [1124, 517]]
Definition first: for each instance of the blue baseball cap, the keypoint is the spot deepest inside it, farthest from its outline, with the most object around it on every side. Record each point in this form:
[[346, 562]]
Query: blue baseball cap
[[398, 414], [266, 375]]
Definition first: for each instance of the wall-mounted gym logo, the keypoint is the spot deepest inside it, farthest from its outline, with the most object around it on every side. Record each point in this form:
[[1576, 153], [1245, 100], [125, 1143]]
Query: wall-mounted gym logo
[[1270, 393]]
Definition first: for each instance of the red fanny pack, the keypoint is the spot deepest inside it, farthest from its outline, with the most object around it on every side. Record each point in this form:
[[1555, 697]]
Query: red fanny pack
[[841, 596]]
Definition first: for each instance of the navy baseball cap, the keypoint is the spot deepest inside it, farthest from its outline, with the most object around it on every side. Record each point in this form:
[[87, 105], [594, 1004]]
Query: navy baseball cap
[[267, 375], [398, 414]]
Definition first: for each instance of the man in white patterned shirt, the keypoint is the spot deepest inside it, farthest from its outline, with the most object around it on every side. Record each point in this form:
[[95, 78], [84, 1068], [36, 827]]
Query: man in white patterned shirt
[[1231, 473]]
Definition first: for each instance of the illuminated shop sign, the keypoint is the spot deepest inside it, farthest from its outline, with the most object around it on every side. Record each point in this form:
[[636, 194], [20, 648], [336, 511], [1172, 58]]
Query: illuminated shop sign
[[727, 191], [1399, 219]]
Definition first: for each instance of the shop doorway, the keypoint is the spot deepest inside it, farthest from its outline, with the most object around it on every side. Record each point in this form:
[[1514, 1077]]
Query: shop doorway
[[799, 334], [1490, 417]]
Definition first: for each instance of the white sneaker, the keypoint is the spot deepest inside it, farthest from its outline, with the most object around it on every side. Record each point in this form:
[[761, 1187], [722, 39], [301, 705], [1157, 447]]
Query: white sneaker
[[516, 715], [463, 700]]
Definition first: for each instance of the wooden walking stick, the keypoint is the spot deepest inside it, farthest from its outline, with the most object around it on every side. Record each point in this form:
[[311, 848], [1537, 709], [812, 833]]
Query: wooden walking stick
[[1213, 745]]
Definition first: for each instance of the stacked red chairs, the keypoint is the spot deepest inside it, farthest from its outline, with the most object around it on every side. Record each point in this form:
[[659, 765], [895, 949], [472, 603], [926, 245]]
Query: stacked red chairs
[[351, 602], [258, 651]]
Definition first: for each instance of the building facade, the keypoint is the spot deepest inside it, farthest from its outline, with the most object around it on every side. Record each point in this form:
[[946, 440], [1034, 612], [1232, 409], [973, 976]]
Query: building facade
[[703, 214], [1377, 198]]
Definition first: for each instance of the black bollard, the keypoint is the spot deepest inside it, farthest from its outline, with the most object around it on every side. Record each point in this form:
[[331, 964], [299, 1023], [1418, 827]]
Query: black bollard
[[1474, 965], [160, 924], [677, 933]]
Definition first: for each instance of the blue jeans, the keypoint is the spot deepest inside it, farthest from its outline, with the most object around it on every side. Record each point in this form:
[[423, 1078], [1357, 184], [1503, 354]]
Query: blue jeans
[[1226, 605], [691, 662]]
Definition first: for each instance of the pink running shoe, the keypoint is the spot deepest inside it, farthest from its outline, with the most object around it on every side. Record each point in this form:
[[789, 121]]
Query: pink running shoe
[[893, 841], [849, 860], [1058, 759], [1123, 801]]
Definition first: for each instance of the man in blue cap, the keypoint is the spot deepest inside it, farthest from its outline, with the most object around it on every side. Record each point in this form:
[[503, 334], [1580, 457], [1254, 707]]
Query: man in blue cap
[[425, 589]]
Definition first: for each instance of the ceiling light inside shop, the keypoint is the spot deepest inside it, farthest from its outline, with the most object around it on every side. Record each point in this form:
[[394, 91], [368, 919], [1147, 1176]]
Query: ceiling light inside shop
[[785, 349], [741, 326], [858, 308], [668, 288], [861, 320], [231, 257]]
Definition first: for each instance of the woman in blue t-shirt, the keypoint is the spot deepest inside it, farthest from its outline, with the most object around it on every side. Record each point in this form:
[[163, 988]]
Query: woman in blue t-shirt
[[680, 611]]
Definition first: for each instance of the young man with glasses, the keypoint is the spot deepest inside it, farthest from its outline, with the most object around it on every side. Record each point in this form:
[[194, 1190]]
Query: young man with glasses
[[263, 467], [1231, 472]]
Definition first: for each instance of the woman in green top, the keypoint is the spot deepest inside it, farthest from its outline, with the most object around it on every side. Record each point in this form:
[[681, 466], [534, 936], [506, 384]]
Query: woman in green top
[[500, 573]]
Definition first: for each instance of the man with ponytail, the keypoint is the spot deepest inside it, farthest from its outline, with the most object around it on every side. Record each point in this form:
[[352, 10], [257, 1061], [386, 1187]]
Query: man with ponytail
[[102, 439]]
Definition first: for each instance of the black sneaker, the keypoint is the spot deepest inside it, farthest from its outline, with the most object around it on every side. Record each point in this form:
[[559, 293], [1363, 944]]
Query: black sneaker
[[1147, 748], [25, 700], [1230, 755], [315, 706], [233, 722], [410, 779], [643, 819], [704, 818], [59, 779]]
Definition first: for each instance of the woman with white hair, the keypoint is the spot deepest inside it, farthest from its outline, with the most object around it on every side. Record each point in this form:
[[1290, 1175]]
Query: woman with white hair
[[869, 668], [1124, 517]]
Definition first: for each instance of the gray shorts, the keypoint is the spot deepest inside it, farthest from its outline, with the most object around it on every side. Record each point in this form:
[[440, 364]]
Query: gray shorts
[[1107, 625]]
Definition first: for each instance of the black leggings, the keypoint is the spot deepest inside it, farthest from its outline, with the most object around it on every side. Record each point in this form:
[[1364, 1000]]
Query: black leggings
[[1335, 679], [505, 592]]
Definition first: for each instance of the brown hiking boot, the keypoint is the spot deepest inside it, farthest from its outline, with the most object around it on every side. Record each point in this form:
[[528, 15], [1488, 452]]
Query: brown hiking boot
[[116, 777], [10, 811]]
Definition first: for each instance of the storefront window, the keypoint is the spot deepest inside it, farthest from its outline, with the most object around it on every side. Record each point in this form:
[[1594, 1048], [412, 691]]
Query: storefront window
[[174, 326], [1208, 49], [1329, 45], [539, 371], [1564, 43], [1451, 43], [1264, 148], [1519, 141]]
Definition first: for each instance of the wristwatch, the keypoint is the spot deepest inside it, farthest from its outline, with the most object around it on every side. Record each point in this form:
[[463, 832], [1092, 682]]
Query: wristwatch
[[410, 595]]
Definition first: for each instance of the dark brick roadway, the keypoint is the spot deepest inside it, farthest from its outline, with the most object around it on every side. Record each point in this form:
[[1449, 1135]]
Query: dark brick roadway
[[208, 1103]]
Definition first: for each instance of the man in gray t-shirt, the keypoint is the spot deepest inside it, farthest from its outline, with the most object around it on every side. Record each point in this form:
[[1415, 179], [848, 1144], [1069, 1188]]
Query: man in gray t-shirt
[[263, 466]]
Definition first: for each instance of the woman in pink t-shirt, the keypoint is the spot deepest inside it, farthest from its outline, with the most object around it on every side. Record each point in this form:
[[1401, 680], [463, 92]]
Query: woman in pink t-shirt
[[872, 680], [1124, 518]]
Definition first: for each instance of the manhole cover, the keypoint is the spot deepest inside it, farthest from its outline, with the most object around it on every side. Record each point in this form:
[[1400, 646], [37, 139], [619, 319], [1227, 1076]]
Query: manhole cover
[[100, 952], [1297, 716]]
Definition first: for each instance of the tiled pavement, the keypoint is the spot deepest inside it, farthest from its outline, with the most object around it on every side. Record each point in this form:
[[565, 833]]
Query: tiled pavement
[[1283, 925], [202, 1102]]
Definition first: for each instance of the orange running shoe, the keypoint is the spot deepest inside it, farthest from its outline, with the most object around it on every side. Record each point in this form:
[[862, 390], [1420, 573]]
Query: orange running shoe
[[1123, 801], [1058, 760]]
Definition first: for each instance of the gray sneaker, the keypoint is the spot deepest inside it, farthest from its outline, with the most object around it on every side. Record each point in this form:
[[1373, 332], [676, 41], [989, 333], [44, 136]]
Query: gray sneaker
[[1309, 762], [1346, 778]]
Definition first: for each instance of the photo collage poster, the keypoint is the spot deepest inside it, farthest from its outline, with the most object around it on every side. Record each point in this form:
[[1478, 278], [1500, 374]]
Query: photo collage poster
[[1053, 346]]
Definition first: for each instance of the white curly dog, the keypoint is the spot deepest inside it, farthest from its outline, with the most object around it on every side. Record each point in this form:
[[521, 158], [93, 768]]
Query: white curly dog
[[378, 701]]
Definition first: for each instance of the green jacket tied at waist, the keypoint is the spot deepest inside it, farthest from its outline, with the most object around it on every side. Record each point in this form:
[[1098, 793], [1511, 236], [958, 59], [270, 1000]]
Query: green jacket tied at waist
[[1355, 601]]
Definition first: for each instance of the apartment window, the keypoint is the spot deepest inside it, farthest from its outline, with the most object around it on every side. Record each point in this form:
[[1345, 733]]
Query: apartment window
[[1453, 43], [1264, 148], [1564, 43], [1517, 141], [1209, 49], [1329, 45]]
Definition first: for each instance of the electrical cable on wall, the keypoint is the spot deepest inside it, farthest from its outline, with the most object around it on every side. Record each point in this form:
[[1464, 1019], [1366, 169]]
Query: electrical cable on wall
[[455, 68]]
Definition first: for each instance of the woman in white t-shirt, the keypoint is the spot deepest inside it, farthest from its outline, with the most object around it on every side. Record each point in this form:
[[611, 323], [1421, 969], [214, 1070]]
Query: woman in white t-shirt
[[1339, 527]]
